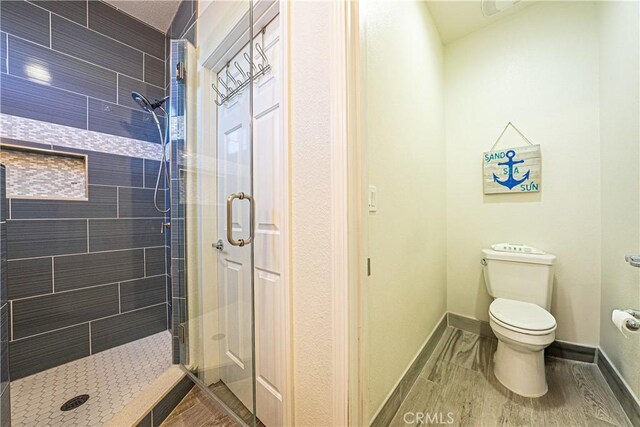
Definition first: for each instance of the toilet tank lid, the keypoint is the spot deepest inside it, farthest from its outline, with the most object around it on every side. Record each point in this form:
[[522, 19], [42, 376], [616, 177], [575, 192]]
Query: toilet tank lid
[[542, 258]]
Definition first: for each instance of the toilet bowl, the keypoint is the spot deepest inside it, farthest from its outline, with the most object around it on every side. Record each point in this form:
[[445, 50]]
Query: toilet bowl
[[523, 331]]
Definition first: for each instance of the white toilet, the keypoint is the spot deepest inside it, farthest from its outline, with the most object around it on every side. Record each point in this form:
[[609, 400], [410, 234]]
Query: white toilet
[[520, 279]]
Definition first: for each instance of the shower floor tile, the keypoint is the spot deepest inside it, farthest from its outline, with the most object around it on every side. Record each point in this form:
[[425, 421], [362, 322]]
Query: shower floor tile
[[111, 378]]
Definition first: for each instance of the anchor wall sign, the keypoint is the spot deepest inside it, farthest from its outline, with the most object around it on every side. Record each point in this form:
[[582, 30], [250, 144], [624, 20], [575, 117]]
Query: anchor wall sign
[[512, 170]]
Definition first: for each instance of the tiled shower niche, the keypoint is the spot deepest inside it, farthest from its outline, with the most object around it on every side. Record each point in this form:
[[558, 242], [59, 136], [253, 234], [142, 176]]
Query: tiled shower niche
[[44, 174]]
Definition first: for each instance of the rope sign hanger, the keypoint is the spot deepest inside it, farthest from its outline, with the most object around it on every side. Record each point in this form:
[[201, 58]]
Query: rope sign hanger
[[512, 170], [504, 130]]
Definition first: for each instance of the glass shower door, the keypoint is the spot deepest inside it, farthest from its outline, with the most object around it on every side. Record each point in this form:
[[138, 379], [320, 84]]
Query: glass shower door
[[235, 230], [213, 225]]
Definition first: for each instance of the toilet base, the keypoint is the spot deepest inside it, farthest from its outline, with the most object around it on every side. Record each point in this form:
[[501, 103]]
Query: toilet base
[[520, 370]]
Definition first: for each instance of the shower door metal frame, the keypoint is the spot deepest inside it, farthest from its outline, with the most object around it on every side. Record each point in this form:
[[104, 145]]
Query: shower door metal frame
[[209, 64]]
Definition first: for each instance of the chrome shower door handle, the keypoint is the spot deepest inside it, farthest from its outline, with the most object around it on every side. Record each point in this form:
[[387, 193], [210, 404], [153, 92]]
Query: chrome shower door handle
[[230, 199]]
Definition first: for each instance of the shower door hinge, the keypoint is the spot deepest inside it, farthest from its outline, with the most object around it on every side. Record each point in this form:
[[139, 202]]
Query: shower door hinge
[[181, 73], [182, 333]]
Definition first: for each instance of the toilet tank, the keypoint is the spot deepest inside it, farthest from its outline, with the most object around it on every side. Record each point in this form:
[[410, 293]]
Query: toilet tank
[[519, 276]]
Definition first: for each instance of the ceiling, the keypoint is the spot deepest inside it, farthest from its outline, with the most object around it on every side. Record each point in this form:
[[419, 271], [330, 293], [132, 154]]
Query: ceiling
[[157, 13], [455, 19]]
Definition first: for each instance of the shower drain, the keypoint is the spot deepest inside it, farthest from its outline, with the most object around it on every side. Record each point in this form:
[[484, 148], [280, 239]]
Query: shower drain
[[74, 402]]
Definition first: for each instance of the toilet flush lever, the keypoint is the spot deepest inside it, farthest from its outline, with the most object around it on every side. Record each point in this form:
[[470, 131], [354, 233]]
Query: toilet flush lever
[[633, 260]]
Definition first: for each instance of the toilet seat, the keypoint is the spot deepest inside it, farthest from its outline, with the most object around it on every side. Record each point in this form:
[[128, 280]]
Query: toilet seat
[[522, 317]]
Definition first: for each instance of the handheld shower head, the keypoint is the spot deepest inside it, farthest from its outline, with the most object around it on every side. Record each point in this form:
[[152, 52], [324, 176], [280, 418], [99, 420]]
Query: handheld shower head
[[142, 101], [150, 107], [147, 105]]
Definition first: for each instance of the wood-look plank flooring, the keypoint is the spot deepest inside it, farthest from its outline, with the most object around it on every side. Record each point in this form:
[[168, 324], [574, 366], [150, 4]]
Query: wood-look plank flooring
[[223, 393], [197, 409], [458, 379]]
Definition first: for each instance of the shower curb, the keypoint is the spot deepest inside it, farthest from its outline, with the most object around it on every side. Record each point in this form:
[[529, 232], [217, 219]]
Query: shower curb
[[155, 402]]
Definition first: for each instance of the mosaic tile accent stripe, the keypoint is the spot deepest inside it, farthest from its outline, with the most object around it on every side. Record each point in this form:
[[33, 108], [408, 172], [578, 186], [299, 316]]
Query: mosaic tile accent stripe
[[24, 129], [43, 175]]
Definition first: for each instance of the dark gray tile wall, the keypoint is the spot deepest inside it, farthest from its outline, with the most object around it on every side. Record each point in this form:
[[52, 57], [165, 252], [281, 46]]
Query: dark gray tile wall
[[151, 174], [31, 239], [107, 20], [81, 42], [102, 204], [138, 202], [140, 293], [25, 20], [74, 64], [3, 52], [62, 71], [113, 234], [83, 276], [107, 284], [153, 70], [115, 119], [76, 11], [155, 261], [45, 313], [112, 169], [5, 400], [30, 277], [26, 98], [99, 264], [184, 19], [45, 351], [78, 271], [117, 330], [126, 85], [4, 346]]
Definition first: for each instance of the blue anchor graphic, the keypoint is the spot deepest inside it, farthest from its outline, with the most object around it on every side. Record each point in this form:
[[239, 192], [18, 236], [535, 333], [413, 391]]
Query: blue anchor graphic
[[511, 181]]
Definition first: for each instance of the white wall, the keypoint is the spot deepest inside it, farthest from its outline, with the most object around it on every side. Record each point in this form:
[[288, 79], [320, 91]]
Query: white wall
[[538, 69], [620, 160], [311, 253], [404, 142]]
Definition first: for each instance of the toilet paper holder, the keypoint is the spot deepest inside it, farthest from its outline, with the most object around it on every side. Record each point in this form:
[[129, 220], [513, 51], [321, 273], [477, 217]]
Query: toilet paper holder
[[633, 324]]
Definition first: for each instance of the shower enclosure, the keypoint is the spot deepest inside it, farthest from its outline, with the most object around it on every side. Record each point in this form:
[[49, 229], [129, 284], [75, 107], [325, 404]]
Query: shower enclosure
[[227, 212]]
